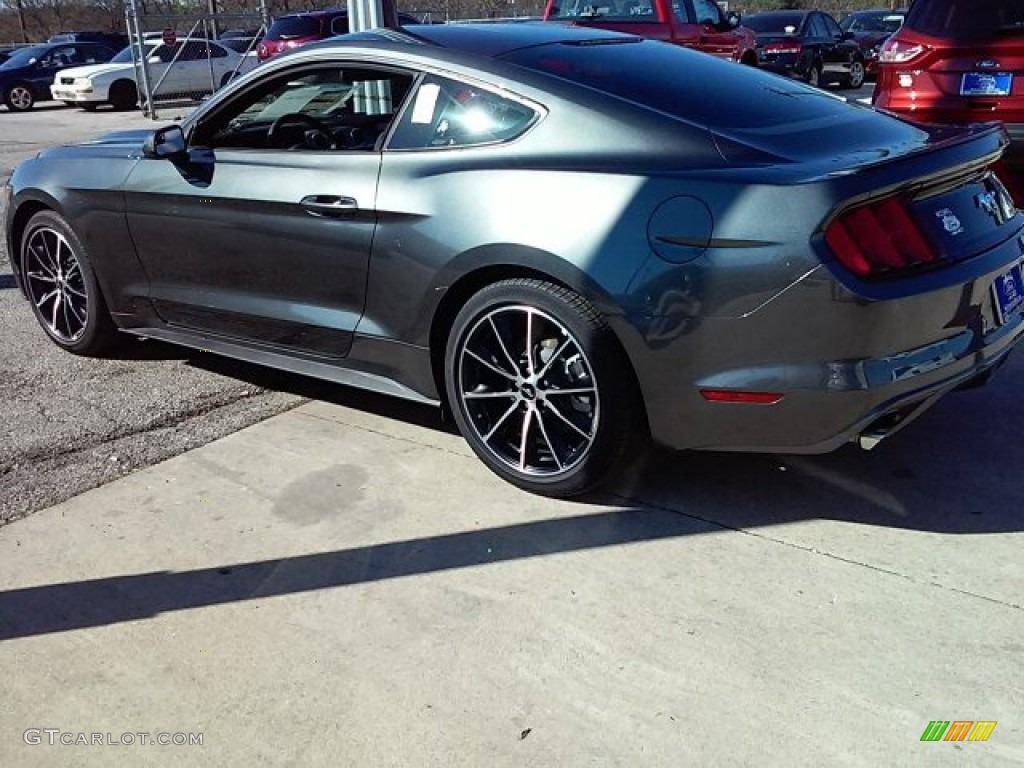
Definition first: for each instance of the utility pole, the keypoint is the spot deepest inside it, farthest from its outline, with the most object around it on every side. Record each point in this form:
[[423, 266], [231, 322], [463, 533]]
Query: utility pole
[[21, 20]]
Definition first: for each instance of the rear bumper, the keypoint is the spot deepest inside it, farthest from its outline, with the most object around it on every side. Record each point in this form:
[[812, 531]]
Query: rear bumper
[[846, 367]]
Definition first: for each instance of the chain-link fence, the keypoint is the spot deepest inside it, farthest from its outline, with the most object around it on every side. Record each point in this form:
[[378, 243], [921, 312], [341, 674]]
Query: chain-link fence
[[180, 58]]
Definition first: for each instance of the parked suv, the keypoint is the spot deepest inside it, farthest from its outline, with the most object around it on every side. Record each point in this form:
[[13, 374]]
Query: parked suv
[[699, 24], [956, 61], [297, 29]]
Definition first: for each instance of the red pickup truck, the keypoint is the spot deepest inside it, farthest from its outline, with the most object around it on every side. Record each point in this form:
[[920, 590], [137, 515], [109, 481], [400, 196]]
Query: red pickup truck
[[699, 24]]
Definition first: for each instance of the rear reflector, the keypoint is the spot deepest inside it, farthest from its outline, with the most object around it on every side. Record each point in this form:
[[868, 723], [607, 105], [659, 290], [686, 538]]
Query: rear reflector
[[735, 396], [879, 239]]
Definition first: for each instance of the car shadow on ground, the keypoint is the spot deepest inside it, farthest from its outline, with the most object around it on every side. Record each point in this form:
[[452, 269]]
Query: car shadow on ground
[[917, 482], [924, 478]]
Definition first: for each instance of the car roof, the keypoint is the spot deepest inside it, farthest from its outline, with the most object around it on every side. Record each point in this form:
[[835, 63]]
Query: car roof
[[489, 40]]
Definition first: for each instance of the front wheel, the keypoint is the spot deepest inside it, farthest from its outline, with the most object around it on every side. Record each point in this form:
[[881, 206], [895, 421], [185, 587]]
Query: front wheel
[[19, 98], [814, 75], [62, 287], [124, 95], [540, 388]]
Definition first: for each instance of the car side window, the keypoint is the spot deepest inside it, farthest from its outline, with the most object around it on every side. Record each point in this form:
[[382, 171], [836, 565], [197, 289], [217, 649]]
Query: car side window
[[817, 27], [682, 12], [322, 108], [708, 12], [444, 113], [831, 27], [196, 50], [615, 10]]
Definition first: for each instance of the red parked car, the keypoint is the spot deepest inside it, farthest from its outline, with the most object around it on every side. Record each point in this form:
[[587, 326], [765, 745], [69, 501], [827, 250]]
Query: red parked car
[[699, 24], [295, 29], [958, 61]]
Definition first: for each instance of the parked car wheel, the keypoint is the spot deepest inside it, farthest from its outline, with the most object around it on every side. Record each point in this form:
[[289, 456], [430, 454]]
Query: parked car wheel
[[540, 388], [814, 75], [857, 74], [62, 287], [19, 97], [124, 95]]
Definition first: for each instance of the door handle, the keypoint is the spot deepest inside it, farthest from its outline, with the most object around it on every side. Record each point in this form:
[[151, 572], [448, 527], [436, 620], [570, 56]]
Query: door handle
[[329, 205]]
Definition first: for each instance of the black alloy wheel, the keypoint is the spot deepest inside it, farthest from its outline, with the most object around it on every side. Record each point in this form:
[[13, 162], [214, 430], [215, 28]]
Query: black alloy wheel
[[540, 388], [62, 288]]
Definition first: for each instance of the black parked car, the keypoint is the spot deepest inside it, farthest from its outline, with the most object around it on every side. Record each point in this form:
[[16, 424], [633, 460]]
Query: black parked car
[[809, 45], [26, 76], [551, 232]]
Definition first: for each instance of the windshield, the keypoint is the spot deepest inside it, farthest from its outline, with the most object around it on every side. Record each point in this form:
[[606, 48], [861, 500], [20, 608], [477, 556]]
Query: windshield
[[125, 56], [883, 22], [967, 19], [293, 27], [23, 57], [774, 23]]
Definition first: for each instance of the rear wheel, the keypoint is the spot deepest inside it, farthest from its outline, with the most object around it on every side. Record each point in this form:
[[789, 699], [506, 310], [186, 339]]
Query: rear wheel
[[62, 287], [540, 388], [19, 97], [124, 95], [857, 75]]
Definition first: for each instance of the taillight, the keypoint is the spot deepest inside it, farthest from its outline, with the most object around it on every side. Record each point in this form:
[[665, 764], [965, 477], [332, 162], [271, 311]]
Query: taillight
[[784, 47], [895, 51], [879, 239]]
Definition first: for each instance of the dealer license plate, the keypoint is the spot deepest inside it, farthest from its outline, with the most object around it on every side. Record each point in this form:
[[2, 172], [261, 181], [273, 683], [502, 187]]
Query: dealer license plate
[[986, 84], [1008, 292]]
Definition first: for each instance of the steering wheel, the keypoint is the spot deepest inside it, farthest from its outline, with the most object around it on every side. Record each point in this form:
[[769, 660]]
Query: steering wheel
[[297, 117]]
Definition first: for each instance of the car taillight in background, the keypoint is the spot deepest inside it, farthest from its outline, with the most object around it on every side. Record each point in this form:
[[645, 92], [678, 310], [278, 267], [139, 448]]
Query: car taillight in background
[[794, 47], [879, 239], [895, 51]]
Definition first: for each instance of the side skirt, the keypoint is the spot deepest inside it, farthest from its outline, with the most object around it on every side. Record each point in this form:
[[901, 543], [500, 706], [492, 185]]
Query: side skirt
[[304, 366]]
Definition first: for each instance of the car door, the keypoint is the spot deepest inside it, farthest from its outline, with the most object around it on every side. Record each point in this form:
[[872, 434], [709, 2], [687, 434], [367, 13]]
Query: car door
[[838, 51], [263, 232], [40, 75], [715, 37]]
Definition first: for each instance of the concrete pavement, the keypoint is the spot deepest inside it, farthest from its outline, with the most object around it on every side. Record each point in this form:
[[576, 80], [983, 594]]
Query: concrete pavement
[[335, 586]]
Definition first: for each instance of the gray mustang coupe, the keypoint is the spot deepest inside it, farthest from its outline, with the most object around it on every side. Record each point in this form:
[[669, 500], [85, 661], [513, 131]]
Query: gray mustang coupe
[[575, 240]]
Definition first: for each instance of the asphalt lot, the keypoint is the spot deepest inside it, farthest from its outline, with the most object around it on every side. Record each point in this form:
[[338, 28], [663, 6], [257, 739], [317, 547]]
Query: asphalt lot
[[68, 424], [345, 583]]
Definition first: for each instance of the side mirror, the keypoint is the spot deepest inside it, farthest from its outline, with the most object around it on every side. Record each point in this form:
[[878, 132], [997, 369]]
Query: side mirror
[[848, 36], [167, 143], [155, 60]]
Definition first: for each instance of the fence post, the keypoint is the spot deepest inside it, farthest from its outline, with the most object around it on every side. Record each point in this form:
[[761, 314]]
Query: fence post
[[137, 39]]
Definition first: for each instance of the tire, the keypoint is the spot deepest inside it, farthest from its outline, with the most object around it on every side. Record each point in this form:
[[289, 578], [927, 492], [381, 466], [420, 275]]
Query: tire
[[19, 97], [62, 287], [124, 95], [857, 75], [814, 75], [496, 391]]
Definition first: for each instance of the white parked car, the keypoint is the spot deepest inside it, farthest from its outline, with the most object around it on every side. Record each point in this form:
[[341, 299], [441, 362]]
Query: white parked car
[[189, 67]]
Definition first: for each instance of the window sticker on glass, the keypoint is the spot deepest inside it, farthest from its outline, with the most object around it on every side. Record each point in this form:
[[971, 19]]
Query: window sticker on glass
[[426, 99]]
